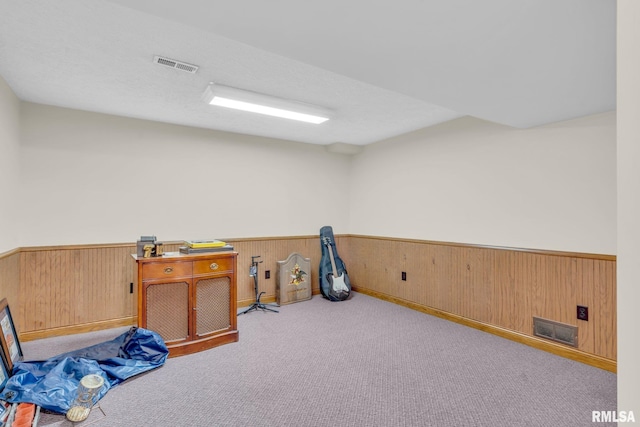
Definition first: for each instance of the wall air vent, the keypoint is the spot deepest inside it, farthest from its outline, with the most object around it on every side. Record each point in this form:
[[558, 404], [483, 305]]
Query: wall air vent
[[559, 332], [178, 65]]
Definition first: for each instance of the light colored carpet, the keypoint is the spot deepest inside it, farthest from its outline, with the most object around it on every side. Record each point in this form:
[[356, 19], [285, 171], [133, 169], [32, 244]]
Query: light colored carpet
[[361, 362]]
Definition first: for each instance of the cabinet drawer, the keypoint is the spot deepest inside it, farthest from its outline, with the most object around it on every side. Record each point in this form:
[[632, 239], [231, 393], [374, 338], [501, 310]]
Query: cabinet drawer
[[163, 270], [212, 265]]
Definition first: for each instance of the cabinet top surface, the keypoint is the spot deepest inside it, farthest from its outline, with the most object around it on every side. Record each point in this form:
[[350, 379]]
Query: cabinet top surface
[[177, 256]]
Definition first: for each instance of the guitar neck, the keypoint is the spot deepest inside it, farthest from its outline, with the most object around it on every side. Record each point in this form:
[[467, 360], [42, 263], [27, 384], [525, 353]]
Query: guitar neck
[[333, 262]]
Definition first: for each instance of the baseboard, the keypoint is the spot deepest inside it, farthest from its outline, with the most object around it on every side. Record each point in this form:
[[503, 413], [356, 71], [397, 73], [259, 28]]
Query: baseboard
[[265, 299], [269, 299], [78, 329], [557, 349], [114, 323], [550, 347]]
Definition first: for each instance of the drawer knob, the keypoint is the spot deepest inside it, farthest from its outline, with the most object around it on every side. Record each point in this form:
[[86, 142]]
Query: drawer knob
[[213, 266], [168, 270]]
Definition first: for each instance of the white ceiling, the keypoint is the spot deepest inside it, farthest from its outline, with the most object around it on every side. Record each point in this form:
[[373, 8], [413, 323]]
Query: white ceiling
[[384, 67]]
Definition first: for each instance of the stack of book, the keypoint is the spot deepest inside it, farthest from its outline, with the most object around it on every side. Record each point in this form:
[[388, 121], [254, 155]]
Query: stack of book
[[202, 246]]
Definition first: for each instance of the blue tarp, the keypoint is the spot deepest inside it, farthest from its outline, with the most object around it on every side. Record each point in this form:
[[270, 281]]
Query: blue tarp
[[53, 383]]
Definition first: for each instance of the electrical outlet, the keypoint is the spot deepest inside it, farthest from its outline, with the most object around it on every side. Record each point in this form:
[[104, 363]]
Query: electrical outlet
[[404, 276], [583, 313], [267, 274]]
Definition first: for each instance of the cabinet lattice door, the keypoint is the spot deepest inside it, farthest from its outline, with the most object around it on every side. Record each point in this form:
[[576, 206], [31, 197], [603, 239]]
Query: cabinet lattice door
[[168, 309], [213, 298]]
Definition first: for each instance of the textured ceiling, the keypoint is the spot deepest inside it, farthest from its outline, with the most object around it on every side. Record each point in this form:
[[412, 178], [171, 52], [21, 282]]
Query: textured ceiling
[[384, 68]]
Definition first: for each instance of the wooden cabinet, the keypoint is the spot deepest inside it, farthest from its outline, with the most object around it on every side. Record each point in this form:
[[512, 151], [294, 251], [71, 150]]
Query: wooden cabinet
[[190, 300]]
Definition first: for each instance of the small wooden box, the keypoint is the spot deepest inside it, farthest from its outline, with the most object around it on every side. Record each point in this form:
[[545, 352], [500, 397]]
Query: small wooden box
[[293, 282]]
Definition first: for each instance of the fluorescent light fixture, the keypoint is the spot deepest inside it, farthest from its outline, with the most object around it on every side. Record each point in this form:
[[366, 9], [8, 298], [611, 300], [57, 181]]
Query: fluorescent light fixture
[[240, 99]]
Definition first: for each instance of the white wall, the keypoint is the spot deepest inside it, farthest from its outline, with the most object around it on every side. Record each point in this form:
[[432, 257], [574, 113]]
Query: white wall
[[94, 178], [471, 181], [9, 166], [628, 259]]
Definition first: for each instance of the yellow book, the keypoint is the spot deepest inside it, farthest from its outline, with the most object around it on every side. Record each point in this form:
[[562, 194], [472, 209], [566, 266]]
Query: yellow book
[[205, 243]]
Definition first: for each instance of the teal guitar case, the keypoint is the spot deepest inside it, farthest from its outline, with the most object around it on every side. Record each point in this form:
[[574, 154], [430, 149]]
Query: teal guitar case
[[334, 280]]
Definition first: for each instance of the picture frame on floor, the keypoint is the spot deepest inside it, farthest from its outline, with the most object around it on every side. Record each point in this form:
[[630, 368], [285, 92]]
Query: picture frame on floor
[[4, 375], [11, 349]]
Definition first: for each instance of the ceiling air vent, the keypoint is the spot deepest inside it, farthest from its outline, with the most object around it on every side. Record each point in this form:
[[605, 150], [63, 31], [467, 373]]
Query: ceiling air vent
[[178, 65]]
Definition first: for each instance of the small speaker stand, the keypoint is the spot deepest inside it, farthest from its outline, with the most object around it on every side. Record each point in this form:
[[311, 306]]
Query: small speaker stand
[[257, 305]]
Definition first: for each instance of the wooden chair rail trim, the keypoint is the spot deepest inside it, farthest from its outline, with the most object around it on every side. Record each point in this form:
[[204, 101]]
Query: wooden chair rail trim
[[259, 239], [76, 247], [604, 257], [550, 347], [133, 245], [7, 254]]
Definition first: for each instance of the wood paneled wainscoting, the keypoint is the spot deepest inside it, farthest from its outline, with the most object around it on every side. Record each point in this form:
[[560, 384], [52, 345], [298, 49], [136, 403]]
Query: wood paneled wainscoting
[[60, 290], [498, 290], [72, 289], [69, 289], [10, 278]]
